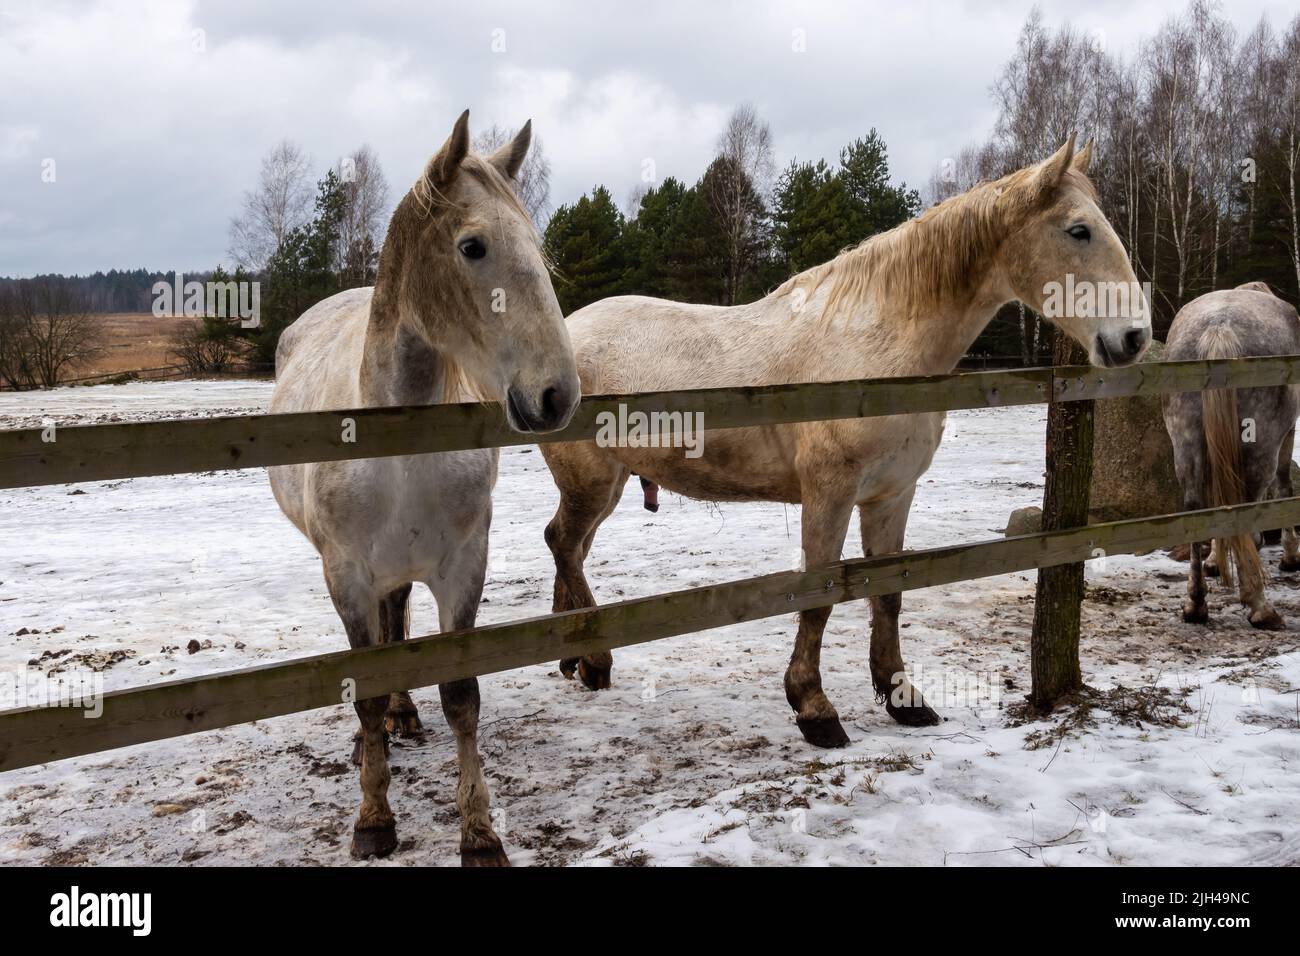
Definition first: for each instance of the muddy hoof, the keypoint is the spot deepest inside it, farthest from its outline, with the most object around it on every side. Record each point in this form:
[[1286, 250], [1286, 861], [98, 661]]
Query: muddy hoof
[[483, 856], [916, 715], [1211, 570], [822, 731], [1288, 565], [594, 676], [403, 723], [377, 841], [356, 747], [1268, 620], [569, 666], [1196, 615]]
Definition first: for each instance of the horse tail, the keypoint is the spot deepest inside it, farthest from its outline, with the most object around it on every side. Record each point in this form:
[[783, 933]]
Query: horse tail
[[1223, 447]]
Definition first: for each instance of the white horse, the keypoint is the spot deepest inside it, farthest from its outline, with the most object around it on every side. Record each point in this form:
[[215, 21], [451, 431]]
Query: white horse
[[462, 308], [908, 302]]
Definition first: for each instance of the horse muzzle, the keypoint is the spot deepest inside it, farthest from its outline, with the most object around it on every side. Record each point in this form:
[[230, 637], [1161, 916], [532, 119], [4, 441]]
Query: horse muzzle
[[547, 411], [1124, 349]]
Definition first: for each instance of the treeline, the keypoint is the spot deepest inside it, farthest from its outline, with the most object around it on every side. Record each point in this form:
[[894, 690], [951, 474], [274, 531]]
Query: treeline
[[117, 290], [1196, 158], [733, 234]]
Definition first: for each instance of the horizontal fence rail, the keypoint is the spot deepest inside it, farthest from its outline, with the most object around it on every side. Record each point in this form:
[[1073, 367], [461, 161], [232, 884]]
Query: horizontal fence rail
[[175, 708], [72, 453]]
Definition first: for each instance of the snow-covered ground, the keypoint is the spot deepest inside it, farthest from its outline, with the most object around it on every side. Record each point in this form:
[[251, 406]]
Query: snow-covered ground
[[693, 755]]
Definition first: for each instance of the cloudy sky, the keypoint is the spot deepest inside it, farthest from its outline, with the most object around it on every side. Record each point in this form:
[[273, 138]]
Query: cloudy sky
[[156, 114]]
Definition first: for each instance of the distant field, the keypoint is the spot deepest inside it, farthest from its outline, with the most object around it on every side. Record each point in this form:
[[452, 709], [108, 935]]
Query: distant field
[[131, 340]]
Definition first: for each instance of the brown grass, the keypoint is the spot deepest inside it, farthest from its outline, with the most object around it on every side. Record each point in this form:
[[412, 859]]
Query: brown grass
[[129, 341]]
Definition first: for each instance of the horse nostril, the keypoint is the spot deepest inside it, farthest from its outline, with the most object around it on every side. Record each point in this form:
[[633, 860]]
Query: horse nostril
[[1134, 341], [550, 403]]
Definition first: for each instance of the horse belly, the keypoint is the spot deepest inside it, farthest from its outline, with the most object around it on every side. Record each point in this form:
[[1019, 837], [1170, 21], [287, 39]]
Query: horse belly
[[739, 464]]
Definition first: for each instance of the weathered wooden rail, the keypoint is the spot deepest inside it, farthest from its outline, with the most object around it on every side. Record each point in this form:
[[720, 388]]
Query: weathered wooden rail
[[174, 708], [71, 453]]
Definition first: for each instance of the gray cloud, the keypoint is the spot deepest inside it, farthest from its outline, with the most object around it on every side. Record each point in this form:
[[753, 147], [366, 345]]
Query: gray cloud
[[156, 129]]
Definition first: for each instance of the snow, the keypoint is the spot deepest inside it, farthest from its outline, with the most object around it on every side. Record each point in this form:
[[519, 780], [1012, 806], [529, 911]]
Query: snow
[[693, 756]]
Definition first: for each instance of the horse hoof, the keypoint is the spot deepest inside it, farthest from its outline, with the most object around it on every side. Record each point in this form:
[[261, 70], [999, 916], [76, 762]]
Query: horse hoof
[[484, 856], [917, 715], [1210, 570], [822, 731], [1268, 620], [596, 678], [1288, 565], [569, 666], [1196, 615], [403, 723], [376, 841]]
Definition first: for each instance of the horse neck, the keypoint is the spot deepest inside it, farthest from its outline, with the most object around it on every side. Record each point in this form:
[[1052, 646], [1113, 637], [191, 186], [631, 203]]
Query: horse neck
[[935, 340], [888, 338], [399, 365]]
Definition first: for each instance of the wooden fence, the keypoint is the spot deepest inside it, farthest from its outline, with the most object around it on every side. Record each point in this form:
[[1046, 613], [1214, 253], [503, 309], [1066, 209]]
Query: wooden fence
[[174, 708]]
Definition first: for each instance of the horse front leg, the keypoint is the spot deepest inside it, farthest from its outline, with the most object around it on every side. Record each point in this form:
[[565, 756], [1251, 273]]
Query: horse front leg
[[458, 594], [883, 530], [401, 718], [823, 527], [375, 832]]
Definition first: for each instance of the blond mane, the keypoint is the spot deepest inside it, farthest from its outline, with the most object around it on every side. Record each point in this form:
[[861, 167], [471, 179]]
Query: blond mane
[[930, 259]]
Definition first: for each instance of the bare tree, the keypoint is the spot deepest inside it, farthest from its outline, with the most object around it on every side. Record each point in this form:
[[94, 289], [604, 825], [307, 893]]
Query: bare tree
[[956, 174], [1048, 90], [45, 331], [361, 227], [1254, 67], [281, 202], [1288, 87], [1185, 63], [746, 165], [533, 184]]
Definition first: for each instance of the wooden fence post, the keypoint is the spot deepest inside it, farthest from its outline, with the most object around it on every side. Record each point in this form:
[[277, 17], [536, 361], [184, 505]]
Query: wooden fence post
[[1058, 597]]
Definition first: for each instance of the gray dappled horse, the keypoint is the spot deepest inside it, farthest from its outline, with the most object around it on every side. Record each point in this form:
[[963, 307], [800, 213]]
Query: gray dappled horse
[[1233, 446]]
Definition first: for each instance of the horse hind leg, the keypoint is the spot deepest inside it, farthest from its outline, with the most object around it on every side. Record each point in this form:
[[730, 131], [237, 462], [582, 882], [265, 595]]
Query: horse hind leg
[[1195, 608], [1283, 484], [375, 831], [1250, 569], [402, 718], [586, 500]]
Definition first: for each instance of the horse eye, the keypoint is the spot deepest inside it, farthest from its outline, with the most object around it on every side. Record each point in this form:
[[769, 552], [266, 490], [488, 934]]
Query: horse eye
[[473, 249], [1079, 232]]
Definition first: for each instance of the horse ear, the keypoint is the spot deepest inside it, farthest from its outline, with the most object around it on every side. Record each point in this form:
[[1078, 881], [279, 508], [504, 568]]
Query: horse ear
[[445, 164], [510, 157], [1052, 169], [1083, 158]]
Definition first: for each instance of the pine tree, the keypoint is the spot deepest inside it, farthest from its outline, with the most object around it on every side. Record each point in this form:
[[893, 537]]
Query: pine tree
[[300, 273], [585, 244]]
